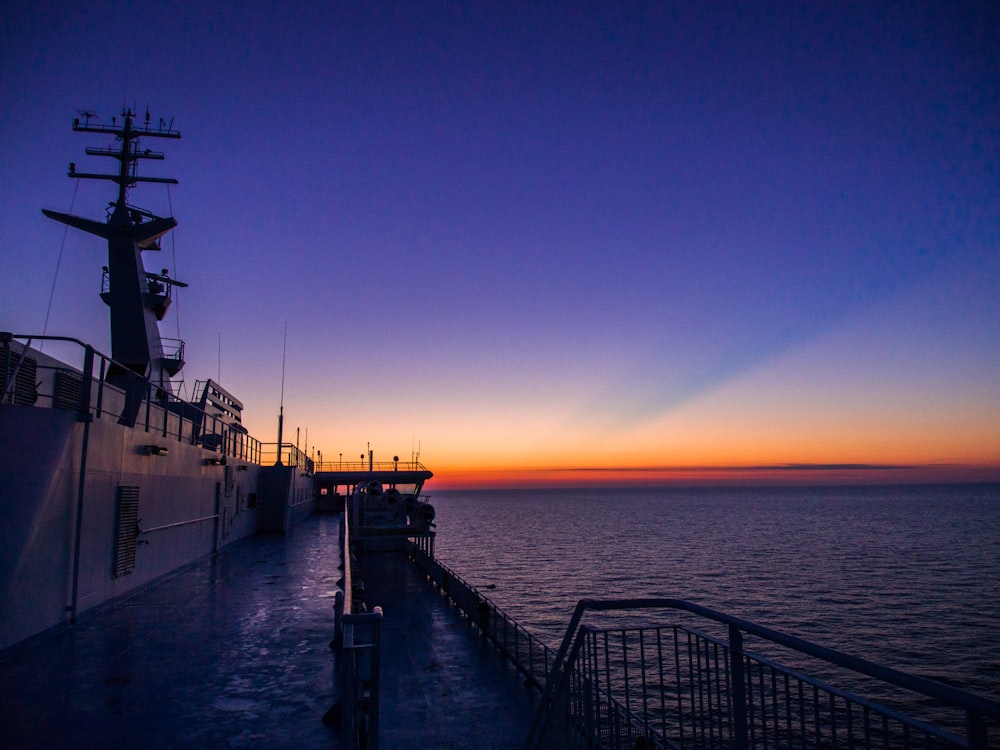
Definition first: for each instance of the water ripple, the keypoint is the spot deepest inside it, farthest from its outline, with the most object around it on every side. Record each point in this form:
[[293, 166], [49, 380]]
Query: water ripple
[[909, 577]]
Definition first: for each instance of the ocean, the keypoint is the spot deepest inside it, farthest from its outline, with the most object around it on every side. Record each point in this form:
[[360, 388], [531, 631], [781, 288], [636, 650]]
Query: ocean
[[906, 576]]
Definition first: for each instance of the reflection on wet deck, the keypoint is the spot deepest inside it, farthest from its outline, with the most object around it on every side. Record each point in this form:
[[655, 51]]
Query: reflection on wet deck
[[233, 652]]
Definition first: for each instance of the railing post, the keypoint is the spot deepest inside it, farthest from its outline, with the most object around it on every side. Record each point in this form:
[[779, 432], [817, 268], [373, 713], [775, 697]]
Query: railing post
[[975, 730], [590, 687], [338, 620], [558, 684], [88, 383], [738, 689], [359, 666], [347, 673], [84, 416], [163, 404], [6, 337], [100, 387], [483, 612], [374, 686]]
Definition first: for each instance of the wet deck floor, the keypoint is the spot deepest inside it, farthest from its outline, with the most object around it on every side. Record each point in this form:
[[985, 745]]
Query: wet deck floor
[[233, 652]]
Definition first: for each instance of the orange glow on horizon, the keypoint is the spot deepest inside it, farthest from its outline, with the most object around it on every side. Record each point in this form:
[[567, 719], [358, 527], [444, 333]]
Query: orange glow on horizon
[[446, 478]]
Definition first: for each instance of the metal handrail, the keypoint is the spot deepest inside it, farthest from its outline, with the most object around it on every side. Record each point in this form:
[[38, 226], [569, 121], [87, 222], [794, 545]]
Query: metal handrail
[[287, 454], [977, 708], [359, 679], [157, 417], [358, 657], [361, 466], [174, 525], [524, 650]]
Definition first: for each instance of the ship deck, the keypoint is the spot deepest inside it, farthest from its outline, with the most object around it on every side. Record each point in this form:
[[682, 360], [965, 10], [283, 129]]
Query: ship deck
[[233, 652]]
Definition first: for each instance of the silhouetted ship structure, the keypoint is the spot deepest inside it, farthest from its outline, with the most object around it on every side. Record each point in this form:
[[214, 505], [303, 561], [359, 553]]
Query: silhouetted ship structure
[[110, 482]]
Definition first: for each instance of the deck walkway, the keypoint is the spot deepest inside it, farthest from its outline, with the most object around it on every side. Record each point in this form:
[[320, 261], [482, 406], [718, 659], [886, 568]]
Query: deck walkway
[[233, 652]]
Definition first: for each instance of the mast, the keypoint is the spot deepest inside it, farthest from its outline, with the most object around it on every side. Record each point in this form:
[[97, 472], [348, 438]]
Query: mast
[[137, 299]]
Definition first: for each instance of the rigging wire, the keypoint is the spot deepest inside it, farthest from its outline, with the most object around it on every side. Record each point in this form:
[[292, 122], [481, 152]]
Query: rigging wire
[[55, 276]]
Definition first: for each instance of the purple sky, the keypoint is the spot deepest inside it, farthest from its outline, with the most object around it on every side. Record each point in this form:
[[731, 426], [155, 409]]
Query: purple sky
[[562, 234]]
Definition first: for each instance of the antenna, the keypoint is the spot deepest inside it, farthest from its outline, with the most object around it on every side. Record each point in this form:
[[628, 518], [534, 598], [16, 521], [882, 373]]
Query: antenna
[[284, 349], [135, 338], [281, 408]]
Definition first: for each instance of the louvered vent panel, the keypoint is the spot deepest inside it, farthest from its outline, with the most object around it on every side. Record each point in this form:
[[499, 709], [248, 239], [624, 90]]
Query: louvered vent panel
[[127, 531], [24, 371], [69, 388]]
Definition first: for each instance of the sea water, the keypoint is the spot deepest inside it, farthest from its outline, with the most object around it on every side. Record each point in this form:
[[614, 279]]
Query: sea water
[[907, 576]]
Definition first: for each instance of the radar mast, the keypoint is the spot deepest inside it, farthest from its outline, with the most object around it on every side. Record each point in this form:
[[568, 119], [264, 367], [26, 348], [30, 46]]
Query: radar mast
[[137, 299]]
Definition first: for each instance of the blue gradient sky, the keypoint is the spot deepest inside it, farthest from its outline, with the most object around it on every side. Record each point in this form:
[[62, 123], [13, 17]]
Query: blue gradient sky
[[569, 235]]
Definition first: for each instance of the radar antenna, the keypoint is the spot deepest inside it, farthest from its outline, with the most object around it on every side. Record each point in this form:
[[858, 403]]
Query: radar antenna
[[138, 299]]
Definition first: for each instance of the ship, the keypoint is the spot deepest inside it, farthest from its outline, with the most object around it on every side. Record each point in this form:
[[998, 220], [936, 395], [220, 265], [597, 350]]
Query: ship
[[167, 579], [111, 479]]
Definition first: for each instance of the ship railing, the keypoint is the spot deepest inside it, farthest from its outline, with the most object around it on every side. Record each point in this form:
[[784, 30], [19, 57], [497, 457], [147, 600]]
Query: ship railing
[[524, 650], [286, 454], [365, 465], [172, 348], [359, 679], [357, 641], [31, 378], [676, 686]]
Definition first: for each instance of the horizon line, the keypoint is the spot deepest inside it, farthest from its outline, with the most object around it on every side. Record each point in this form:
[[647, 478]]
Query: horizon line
[[757, 475]]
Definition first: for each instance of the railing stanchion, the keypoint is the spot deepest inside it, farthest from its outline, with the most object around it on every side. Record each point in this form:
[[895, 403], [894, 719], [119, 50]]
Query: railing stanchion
[[100, 387], [84, 416], [975, 730], [738, 687]]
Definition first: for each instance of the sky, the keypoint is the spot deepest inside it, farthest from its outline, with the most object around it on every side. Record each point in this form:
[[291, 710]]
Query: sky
[[546, 243]]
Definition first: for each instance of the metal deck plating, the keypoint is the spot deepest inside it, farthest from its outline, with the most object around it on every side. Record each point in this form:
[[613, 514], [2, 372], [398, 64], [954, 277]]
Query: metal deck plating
[[233, 652]]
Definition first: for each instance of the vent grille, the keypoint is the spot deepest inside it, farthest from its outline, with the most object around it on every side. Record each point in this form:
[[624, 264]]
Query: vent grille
[[126, 531], [23, 370], [68, 390]]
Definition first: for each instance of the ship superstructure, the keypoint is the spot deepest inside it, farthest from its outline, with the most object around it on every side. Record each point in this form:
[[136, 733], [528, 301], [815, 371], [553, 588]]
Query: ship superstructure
[[109, 479], [138, 299]]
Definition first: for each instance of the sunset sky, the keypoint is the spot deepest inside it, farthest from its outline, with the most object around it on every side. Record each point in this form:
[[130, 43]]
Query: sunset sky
[[547, 242]]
